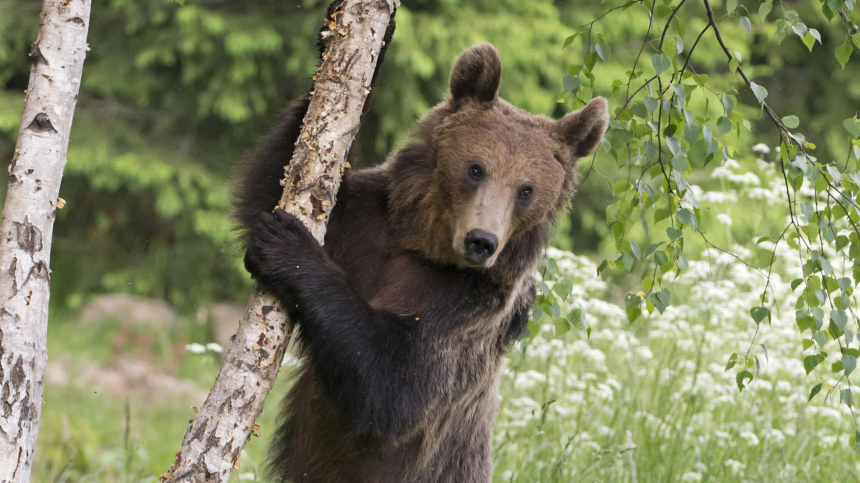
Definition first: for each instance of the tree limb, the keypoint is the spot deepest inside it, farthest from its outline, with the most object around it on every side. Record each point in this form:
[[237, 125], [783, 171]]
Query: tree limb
[[225, 421], [28, 221]]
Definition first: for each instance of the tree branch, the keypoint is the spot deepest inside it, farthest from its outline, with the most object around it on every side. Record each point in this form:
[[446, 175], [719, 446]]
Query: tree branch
[[28, 221], [852, 27], [782, 129], [216, 435]]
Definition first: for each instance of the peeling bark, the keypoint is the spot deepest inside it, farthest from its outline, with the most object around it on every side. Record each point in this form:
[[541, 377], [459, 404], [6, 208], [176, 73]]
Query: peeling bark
[[28, 221], [215, 437]]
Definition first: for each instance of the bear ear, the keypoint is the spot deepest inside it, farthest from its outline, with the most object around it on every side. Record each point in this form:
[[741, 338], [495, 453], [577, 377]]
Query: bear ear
[[583, 130], [477, 74]]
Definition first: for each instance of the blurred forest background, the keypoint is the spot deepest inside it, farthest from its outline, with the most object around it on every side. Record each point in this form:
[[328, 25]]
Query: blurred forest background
[[173, 94]]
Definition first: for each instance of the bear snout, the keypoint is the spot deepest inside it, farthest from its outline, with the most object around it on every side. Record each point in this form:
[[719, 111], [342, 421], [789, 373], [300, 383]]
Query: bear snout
[[480, 245]]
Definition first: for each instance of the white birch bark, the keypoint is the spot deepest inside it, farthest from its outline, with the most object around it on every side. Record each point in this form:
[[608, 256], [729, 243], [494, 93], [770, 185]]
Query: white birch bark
[[225, 421], [28, 221]]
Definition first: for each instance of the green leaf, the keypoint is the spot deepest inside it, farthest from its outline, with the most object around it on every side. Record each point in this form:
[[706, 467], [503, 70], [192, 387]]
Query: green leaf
[[603, 51], [569, 40], [589, 60], [724, 125], [733, 64], [674, 145], [680, 91], [815, 390], [849, 363], [687, 217], [809, 363], [843, 53], [759, 91], [631, 302], [848, 397], [662, 299], [649, 250], [562, 326], [728, 104], [570, 82], [745, 24], [732, 361], [764, 9], [679, 163], [852, 126], [839, 317], [670, 49], [741, 377], [651, 104], [640, 110], [674, 233], [680, 26], [791, 122], [808, 41], [759, 313], [576, 317], [533, 328], [815, 34], [731, 5], [550, 266], [661, 63]]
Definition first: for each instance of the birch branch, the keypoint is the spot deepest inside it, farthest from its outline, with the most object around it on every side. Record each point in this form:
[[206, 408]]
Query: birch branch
[[225, 421], [28, 221]]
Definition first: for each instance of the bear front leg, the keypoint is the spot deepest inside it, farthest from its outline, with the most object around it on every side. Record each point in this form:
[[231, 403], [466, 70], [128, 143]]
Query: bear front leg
[[375, 365]]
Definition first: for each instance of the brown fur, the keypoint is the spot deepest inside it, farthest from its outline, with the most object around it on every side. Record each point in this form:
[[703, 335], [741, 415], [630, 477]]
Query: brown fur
[[404, 339]]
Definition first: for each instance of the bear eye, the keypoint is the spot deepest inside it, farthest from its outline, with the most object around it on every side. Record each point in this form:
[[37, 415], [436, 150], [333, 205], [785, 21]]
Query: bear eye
[[476, 171], [525, 192]]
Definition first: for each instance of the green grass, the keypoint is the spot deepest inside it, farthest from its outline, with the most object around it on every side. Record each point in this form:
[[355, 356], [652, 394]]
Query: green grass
[[89, 434]]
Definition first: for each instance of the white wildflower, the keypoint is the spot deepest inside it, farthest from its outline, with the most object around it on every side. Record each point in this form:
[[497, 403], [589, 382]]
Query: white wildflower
[[750, 438], [736, 467], [761, 148], [529, 380], [195, 348], [214, 347], [724, 219], [691, 476], [774, 435]]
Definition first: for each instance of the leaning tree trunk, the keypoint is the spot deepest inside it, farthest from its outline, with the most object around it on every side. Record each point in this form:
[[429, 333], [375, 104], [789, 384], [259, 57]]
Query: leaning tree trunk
[[28, 220], [216, 435]]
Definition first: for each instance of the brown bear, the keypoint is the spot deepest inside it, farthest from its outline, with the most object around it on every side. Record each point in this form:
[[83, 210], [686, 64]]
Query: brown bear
[[424, 280]]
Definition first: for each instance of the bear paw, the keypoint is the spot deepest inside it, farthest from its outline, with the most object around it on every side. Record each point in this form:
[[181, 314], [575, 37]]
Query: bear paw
[[279, 240]]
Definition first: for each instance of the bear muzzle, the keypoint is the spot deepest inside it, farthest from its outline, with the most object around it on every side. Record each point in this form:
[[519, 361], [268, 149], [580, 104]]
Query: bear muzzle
[[479, 246]]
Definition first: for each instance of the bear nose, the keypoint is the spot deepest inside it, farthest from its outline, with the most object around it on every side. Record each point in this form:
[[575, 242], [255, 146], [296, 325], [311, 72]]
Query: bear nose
[[480, 246]]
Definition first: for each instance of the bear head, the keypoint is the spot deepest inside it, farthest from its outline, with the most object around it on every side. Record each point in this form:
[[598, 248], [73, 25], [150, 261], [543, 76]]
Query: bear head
[[487, 173]]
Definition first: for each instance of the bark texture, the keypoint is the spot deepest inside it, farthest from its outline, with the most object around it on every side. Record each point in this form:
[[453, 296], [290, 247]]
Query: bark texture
[[225, 421], [28, 221]]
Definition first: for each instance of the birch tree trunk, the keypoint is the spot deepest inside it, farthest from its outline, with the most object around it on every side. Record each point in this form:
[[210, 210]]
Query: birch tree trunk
[[225, 421], [28, 221]]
